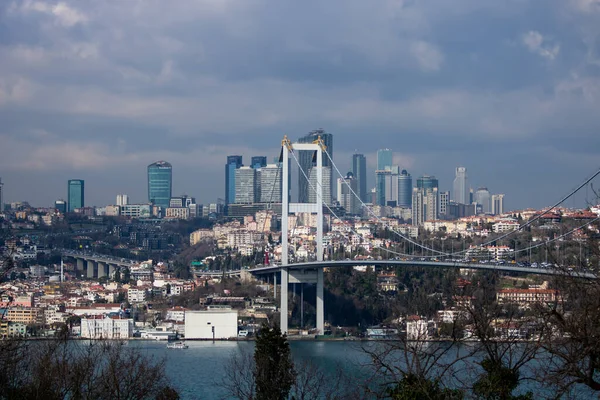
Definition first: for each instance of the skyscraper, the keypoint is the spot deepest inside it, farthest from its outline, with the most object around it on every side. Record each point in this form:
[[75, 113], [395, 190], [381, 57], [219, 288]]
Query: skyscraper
[[76, 194], [482, 197], [160, 183], [497, 204], [391, 186], [258, 162], [427, 182], [246, 186], [305, 159], [404, 189], [425, 200], [460, 192], [233, 163], [312, 187], [384, 166], [380, 180], [345, 196], [270, 184], [385, 158], [359, 172], [425, 205]]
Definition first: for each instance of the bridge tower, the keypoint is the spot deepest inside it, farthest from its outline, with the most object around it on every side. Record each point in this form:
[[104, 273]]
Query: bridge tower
[[286, 208]]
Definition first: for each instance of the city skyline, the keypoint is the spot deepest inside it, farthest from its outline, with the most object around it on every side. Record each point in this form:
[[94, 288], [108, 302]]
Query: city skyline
[[98, 91], [371, 179]]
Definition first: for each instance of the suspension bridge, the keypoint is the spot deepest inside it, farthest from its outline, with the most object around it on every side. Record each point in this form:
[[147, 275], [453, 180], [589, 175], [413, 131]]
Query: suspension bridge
[[312, 272]]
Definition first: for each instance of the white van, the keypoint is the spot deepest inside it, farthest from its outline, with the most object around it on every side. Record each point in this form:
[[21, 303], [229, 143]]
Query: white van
[[242, 334]]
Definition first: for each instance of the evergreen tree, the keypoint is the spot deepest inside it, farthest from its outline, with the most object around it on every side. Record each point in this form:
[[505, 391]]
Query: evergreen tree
[[275, 373]]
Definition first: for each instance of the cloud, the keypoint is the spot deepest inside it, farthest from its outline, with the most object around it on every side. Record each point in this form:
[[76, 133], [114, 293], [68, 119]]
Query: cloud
[[587, 6], [428, 56], [63, 13], [536, 43], [192, 81]]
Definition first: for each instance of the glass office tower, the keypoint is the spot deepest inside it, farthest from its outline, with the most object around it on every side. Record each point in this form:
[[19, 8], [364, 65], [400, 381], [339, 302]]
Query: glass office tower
[[305, 159], [233, 163], [76, 194], [359, 172], [160, 183]]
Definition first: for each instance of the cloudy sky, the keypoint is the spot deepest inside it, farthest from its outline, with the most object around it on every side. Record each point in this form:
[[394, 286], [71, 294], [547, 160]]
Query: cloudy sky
[[97, 90]]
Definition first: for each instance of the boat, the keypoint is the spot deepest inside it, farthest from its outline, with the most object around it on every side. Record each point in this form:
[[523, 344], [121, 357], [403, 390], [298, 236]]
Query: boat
[[177, 345]]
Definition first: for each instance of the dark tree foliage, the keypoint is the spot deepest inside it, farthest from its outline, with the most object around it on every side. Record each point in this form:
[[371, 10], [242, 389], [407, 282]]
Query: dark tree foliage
[[498, 382], [275, 373], [61, 369], [417, 387]]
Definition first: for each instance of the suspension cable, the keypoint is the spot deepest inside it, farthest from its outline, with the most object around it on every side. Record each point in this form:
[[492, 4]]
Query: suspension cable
[[377, 217]]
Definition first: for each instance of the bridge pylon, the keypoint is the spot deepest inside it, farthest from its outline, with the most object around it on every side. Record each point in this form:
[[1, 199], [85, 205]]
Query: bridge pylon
[[286, 209]]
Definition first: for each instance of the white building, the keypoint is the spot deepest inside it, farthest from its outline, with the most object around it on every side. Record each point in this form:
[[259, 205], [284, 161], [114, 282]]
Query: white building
[[136, 295], [177, 213], [497, 204], [106, 328], [122, 200], [136, 210], [505, 225], [209, 324], [417, 330]]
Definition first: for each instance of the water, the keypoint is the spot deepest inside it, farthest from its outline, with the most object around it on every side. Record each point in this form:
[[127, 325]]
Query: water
[[197, 372]]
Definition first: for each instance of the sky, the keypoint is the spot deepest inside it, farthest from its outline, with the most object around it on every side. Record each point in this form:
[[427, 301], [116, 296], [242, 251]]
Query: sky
[[97, 90]]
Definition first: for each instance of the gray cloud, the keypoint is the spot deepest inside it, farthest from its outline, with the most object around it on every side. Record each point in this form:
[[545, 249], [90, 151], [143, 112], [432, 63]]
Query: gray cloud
[[101, 89]]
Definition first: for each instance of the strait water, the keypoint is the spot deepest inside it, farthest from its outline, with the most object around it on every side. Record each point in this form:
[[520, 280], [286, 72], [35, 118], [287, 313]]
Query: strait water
[[197, 372]]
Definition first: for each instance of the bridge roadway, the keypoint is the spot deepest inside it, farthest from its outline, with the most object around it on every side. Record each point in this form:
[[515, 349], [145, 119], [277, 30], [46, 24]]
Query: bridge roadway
[[407, 263]]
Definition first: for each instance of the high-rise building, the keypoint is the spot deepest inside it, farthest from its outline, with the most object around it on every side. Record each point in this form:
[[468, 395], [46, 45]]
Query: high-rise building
[[460, 189], [359, 171], [160, 183], [385, 158], [404, 189], [233, 163], [305, 159], [444, 202], [384, 165], [427, 182], [380, 180], [425, 200], [258, 162], [482, 197], [391, 186], [345, 196], [76, 194], [245, 186], [497, 204], [61, 206], [312, 195], [1, 196], [270, 183], [122, 199]]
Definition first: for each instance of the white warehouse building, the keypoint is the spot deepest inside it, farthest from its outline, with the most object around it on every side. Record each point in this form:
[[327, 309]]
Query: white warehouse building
[[202, 324]]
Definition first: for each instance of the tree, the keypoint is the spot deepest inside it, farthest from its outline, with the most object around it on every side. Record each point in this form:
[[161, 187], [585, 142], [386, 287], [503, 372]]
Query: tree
[[274, 374], [507, 341], [60, 369]]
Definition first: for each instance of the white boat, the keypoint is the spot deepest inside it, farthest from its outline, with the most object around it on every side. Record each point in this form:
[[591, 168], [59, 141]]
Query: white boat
[[177, 345]]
